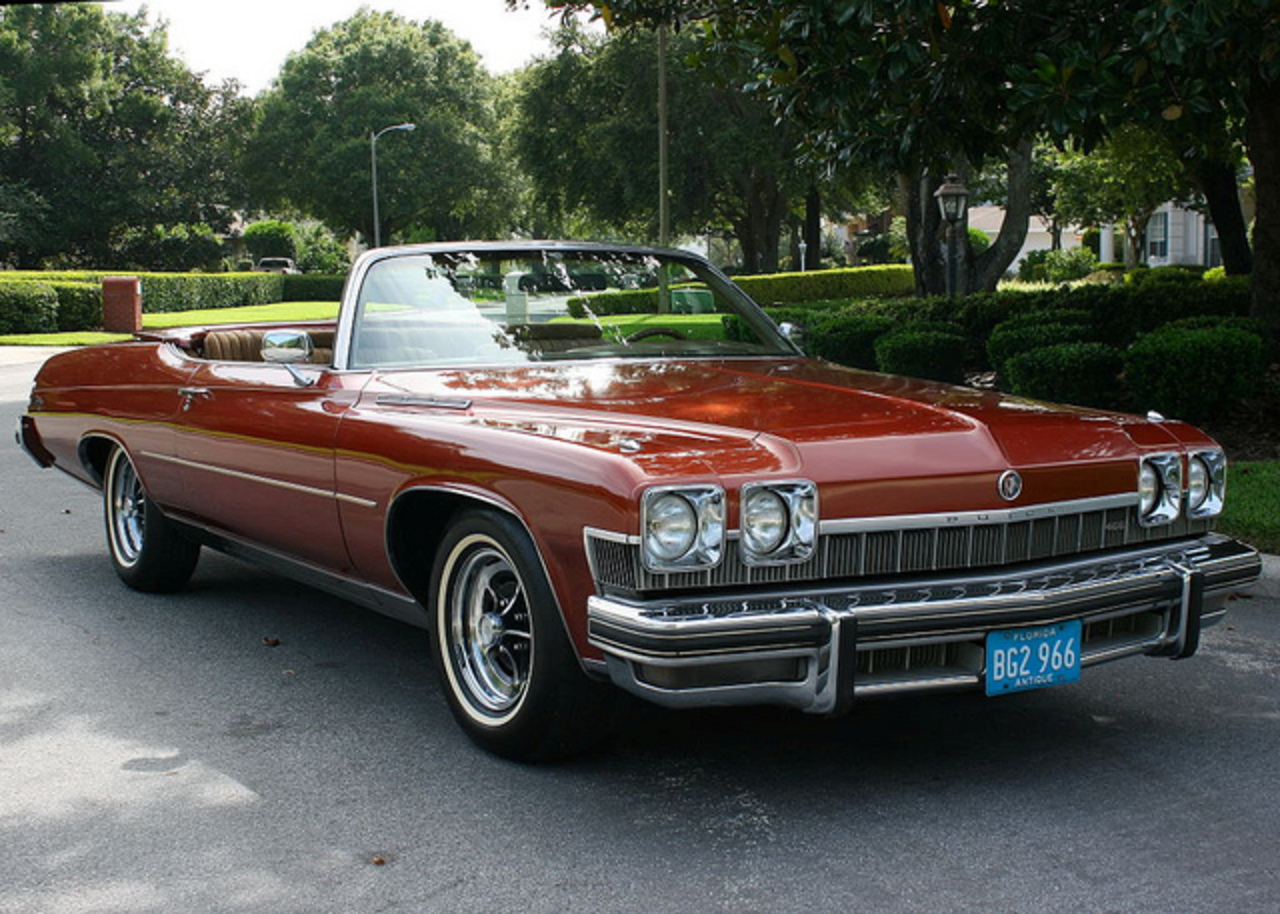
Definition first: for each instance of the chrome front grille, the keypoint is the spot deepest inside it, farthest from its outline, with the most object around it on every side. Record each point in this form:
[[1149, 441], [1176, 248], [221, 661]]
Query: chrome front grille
[[908, 550]]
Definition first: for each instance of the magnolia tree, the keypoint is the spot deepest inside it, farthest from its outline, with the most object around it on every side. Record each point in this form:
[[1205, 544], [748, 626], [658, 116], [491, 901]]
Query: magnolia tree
[[930, 86]]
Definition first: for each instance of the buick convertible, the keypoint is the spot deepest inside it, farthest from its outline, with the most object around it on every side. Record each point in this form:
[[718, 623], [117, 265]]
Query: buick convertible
[[585, 468]]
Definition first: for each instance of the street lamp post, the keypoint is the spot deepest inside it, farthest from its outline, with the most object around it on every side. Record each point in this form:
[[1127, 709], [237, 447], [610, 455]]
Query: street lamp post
[[373, 169], [953, 198]]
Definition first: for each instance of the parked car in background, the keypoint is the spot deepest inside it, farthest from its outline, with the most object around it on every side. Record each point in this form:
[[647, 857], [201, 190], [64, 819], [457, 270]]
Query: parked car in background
[[680, 505], [276, 265]]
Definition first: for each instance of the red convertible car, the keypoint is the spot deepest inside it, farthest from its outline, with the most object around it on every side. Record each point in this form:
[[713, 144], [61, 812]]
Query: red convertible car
[[582, 464]]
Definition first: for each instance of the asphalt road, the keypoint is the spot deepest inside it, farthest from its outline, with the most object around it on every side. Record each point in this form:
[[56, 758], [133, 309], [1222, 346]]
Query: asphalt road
[[156, 755]]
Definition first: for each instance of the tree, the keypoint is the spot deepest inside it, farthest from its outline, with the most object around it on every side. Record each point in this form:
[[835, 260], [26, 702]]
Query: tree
[[591, 109], [1124, 180], [311, 150], [969, 78], [103, 130]]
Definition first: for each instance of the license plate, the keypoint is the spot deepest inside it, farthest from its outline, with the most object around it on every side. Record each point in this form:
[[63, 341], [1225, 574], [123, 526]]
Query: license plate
[[1033, 658]]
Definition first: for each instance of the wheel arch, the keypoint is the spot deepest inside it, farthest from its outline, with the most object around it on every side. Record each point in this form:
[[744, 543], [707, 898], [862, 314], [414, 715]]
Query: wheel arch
[[417, 522], [94, 450]]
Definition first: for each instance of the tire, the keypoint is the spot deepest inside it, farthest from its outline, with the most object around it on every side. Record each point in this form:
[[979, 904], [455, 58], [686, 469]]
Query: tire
[[146, 551], [509, 671]]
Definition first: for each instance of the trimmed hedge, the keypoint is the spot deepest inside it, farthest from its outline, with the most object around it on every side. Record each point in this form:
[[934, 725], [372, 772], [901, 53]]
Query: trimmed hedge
[[79, 305], [1015, 337], [888, 280], [932, 354], [849, 339], [1087, 374], [1194, 373], [163, 292], [312, 287], [28, 307]]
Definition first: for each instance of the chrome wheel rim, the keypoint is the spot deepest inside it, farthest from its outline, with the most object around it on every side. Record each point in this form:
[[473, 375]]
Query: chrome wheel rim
[[488, 627], [126, 503]]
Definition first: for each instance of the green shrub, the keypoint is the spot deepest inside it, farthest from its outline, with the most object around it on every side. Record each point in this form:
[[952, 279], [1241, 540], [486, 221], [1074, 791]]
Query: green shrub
[[28, 307], [271, 238], [312, 287], [922, 354], [824, 285], [1173, 273], [79, 305], [1031, 266], [164, 292], [1194, 374], [1215, 274], [1014, 338], [848, 338], [1069, 265], [1086, 374]]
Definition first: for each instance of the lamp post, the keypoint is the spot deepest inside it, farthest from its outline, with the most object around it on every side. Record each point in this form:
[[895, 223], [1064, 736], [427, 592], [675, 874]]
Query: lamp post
[[953, 198], [373, 168]]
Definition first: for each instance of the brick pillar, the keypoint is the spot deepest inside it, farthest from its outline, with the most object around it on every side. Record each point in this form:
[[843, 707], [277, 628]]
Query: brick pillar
[[121, 304]]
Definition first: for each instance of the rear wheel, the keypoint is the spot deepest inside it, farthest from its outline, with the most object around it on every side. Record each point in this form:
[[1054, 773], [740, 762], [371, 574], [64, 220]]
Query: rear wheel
[[510, 673], [146, 551]]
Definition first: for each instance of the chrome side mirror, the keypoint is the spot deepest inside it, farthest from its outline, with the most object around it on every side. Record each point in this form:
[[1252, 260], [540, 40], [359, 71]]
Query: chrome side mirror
[[793, 332], [287, 348]]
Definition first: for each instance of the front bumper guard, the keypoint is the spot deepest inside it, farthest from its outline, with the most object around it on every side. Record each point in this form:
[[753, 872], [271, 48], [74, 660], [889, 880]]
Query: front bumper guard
[[820, 650]]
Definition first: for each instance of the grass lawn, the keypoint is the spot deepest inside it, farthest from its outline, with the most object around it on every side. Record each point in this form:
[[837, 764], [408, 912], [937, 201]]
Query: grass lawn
[[1253, 504], [283, 311]]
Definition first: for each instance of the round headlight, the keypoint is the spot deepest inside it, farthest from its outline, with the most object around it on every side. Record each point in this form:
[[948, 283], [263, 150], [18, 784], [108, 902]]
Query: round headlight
[[764, 521], [1197, 483], [1148, 489], [672, 527]]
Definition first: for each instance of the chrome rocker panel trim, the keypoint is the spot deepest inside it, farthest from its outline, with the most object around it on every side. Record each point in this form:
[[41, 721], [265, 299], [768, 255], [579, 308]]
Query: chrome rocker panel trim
[[803, 648]]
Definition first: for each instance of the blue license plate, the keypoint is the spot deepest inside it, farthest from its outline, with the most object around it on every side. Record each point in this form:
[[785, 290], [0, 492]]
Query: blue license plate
[[1033, 658]]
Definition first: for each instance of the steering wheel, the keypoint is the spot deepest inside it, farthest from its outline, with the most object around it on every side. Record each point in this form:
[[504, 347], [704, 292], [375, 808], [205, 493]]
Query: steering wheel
[[648, 332]]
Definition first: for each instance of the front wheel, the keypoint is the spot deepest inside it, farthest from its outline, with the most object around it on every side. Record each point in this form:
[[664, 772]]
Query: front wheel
[[146, 551], [510, 674]]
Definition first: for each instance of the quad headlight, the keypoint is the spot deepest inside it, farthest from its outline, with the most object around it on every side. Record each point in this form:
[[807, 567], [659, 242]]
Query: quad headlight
[[779, 522], [1206, 483], [682, 527], [1159, 489], [1165, 491]]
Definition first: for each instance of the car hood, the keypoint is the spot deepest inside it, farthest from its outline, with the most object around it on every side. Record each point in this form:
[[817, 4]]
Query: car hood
[[838, 426]]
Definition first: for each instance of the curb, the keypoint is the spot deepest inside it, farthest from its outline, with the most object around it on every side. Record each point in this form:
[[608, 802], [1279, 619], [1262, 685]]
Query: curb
[[1269, 584]]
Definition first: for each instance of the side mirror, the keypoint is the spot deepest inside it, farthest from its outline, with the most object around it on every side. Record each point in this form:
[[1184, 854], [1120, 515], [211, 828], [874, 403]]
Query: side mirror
[[793, 332], [287, 348]]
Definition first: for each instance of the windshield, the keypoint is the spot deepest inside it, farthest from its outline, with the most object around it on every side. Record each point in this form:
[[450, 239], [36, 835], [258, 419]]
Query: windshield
[[493, 306]]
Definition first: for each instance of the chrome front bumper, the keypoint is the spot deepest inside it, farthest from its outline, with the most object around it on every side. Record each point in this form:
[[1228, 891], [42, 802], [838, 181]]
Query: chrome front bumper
[[818, 650]]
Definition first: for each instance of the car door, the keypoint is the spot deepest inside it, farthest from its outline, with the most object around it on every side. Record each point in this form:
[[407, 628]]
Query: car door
[[257, 456]]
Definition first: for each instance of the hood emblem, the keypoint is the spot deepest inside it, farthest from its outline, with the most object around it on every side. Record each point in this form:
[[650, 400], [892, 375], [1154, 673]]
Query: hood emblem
[[1010, 485]]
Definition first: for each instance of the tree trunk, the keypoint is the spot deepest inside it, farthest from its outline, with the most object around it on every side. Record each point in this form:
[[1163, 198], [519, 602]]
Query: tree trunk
[[986, 270], [1217, 181], [813, 229], [923, 223], [759, 228], [1135, 238], [1264, 153]]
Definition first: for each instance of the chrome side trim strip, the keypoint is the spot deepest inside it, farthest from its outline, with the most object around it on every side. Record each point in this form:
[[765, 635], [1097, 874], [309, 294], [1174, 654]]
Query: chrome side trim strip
[[264, 480]]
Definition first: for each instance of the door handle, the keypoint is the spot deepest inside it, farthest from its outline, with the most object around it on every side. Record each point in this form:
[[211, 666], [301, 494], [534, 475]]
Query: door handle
[[189, 395]]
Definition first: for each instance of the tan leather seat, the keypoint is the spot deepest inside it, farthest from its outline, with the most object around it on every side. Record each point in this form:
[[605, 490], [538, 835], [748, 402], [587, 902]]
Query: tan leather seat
[[245, 345]]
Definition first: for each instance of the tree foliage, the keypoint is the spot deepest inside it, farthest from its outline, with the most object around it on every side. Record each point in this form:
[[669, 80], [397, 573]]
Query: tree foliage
[[925, 82], [311, 150], [1124, 180], [104, 130], [588, 138]]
